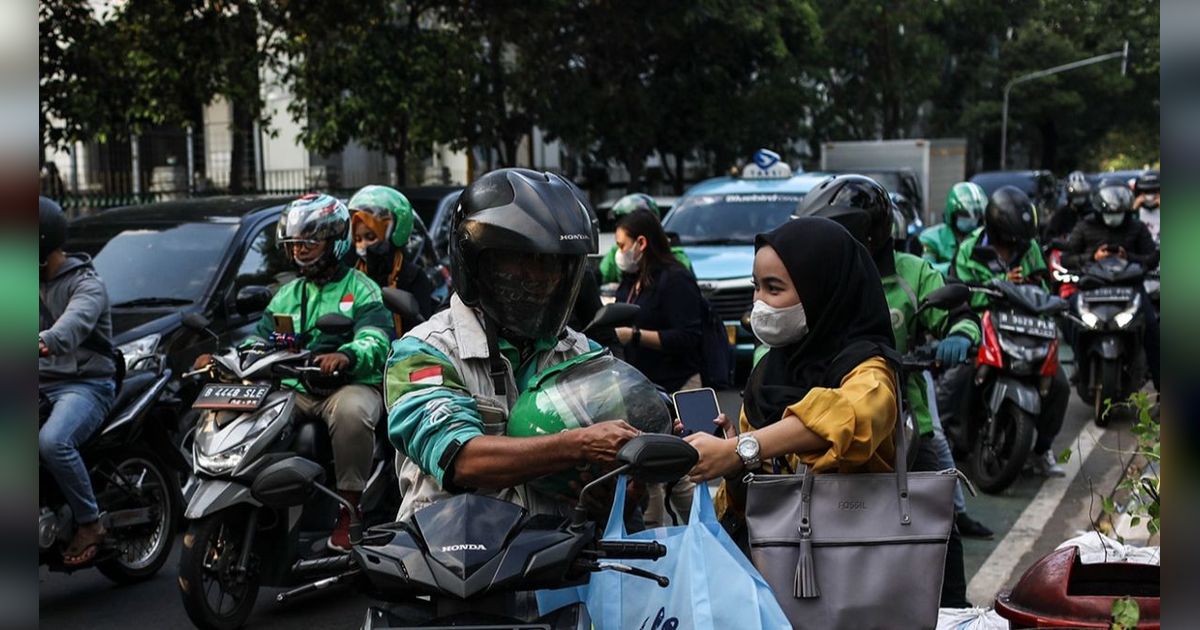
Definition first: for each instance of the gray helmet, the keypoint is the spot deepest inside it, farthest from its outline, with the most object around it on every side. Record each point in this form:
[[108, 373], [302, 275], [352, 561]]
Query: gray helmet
[[313, 218]]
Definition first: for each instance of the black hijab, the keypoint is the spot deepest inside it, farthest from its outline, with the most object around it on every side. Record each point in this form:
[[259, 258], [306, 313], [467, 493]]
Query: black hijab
[[848, 317]]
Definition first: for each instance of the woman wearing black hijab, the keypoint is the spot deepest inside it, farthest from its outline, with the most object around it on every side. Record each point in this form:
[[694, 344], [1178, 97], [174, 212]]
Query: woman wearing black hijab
[[825, 393]]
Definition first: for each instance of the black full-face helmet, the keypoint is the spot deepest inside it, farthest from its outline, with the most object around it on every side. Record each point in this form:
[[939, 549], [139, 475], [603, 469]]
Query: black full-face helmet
[[518, 248], [858, 203], [1010, 219]]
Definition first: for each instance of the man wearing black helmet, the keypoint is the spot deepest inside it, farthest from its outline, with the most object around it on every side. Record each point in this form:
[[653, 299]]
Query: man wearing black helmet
[[519, 242], [1079, 193], [1004, 248], [1146, 192], [1114, 230], [75, 372]]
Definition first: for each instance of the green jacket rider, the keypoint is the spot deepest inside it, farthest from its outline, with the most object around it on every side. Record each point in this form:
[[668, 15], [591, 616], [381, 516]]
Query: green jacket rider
[[965, 204]]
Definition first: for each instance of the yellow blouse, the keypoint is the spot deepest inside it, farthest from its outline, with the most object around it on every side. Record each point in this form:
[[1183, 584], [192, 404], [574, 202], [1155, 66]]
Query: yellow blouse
[[857, 419]]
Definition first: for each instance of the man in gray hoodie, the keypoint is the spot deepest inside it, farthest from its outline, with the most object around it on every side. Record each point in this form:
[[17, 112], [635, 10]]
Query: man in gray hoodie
[[75, 372]]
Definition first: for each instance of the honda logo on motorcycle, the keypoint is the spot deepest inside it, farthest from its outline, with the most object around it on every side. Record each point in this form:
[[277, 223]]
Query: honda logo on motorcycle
[[463, 547]]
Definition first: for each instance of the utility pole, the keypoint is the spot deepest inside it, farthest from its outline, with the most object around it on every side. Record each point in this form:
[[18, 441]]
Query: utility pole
[[1123, 54]]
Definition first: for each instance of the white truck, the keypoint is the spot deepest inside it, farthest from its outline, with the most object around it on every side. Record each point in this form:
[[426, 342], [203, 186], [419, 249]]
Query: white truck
[[937, 165]]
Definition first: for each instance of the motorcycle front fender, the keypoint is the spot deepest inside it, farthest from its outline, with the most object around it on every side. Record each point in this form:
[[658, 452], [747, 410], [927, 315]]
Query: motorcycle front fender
[[1110, 348], [1024, 395], [209, 496]]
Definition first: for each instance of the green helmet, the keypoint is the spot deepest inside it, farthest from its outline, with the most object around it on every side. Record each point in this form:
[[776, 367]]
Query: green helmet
[[316, 217], [577, 393], [967, 198], [387, 206], [635, 201]]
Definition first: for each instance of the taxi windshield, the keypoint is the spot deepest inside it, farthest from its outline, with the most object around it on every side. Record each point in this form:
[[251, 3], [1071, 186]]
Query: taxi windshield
[[730, 219]]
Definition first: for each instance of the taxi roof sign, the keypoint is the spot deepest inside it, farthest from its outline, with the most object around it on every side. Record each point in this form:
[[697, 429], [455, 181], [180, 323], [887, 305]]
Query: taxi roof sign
[[766, 164]]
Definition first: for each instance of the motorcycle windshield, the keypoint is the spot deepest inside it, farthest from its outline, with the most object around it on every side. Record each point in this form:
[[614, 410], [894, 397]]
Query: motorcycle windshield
[[1031, 298]]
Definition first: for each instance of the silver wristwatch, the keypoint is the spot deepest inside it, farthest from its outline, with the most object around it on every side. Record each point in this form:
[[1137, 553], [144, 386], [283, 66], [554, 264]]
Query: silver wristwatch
[[748, 449]]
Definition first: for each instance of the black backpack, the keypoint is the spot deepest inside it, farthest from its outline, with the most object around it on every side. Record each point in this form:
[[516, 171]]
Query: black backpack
[[716, 354]]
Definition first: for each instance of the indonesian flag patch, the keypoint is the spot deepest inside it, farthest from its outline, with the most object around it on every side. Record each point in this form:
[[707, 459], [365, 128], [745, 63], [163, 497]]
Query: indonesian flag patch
[[426, 376], [347, 303]]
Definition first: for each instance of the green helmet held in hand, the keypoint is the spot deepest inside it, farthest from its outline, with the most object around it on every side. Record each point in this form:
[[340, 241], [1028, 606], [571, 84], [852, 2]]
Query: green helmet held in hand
[[635, 201], [385, 209], [590, 388], [965, 205]]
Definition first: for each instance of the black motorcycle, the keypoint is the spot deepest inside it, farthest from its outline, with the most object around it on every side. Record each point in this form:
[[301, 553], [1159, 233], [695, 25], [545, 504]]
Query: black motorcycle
[[1108, 334], [1014, 369], [129, 463], [234, 543], [470, 562]]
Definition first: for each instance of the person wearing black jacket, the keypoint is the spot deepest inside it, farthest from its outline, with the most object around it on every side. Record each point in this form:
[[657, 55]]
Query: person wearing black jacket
[[1113, 230], [665, 342], [1064, 220]]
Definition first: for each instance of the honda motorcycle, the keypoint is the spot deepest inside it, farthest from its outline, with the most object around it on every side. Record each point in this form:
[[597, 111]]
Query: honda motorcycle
[[234, 543], [129, 464]]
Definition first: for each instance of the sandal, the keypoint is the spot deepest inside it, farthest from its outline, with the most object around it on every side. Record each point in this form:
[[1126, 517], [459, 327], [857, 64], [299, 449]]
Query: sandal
[[78, 557]]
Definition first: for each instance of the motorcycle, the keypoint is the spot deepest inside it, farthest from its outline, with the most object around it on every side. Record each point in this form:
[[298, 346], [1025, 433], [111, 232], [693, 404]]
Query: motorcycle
[[234, 543], [135, 487], [1014, 368], [470, 562], [1109, 330]]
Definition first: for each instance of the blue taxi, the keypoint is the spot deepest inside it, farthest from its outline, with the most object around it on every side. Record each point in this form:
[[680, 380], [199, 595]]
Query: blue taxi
[[717, 220]]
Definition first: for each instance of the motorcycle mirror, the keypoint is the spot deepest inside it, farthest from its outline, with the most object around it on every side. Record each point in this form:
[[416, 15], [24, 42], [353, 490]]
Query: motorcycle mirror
[[404, 304], [947, 297], [252, 299], [657, 458], [195, 321], [335, 324], [288, 482], [613, 315]]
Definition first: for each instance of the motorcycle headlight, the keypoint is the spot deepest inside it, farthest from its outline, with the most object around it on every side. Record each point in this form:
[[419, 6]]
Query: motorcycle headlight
[[1126, 316], [138, 349], [219, 448], [1089, 318]]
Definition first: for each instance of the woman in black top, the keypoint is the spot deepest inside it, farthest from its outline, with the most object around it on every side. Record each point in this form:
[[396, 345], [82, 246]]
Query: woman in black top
[[665, 342]]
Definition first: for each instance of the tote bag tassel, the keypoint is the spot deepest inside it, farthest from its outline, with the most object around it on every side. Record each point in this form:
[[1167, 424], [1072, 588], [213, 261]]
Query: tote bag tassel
[[806, 573]]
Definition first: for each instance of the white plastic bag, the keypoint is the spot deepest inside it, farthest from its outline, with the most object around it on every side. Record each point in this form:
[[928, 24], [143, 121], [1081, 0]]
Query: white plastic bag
[[970, 619], [1095, 547]]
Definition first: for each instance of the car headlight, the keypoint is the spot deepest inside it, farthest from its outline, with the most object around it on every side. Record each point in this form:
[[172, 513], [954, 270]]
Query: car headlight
[[138, 349], [1126, 316]]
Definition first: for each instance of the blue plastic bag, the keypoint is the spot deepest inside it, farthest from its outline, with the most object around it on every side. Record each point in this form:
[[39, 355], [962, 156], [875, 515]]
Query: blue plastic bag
[[712, 584]]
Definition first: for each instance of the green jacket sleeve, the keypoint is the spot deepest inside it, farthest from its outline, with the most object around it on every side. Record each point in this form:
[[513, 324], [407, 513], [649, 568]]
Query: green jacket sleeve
[[368, 349], [429, 407], [608, 267], [938, 322]]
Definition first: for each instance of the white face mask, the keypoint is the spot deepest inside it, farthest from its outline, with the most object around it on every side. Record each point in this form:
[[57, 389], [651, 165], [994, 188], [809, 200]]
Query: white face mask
[[1113, 219], [628, 259], [778, 327]]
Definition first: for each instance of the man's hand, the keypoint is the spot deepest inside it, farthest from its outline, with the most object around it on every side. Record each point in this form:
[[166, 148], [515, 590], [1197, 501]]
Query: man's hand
[[332, 362], [1101, 252], [600, 442], [1015, 275], [1121, 253], [43, 349], [202, 361], [624, 334]]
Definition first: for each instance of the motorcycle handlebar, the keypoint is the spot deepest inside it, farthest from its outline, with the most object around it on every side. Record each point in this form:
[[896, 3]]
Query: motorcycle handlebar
[[632, 550]]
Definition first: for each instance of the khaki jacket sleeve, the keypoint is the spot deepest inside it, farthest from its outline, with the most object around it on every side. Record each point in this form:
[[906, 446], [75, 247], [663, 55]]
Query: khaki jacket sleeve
[[857, 419]]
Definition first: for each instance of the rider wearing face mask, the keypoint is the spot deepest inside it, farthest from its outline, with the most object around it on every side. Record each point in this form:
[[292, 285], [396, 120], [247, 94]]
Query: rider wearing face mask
[[1112, 230], [381, 221], [1146, 202], [664, 343], [964, 210], [825, 393]]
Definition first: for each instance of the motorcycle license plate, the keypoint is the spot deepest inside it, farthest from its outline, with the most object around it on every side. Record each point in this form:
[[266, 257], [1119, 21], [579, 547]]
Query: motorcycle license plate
[[236, 397], [1026, 325], [1109, 294]]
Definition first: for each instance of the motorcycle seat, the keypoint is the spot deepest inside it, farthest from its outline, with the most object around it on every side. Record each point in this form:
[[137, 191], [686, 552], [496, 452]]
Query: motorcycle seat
[[135, 383]]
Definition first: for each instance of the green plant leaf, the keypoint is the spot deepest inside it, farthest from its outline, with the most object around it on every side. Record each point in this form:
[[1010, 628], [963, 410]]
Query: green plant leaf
[[1064, 456], [1125, 613]]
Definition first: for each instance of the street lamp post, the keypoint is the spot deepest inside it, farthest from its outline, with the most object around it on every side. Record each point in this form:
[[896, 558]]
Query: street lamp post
[[1123, 54]]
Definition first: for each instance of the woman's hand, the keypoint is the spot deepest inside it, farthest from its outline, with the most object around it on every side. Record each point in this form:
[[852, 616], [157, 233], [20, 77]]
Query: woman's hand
[[722, 421], [718, 457], [624, 334]]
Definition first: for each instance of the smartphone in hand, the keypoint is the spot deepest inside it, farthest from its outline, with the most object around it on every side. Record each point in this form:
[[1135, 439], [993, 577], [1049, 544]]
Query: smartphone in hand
[[697, 408]]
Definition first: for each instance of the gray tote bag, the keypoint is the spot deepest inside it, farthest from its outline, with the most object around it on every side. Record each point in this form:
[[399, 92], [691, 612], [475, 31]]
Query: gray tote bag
[[853, 551]]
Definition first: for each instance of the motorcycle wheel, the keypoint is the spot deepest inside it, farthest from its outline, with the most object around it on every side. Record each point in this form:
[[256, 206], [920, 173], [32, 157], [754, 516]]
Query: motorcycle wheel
[[140, 480], [1107, 389], [215, 594], [995, 466]]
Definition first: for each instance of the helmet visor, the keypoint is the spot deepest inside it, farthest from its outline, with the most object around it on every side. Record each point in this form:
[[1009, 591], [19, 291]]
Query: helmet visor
[[529, 295]]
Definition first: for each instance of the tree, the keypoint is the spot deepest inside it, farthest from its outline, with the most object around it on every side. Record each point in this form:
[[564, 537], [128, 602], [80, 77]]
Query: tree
[[371, 71]]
